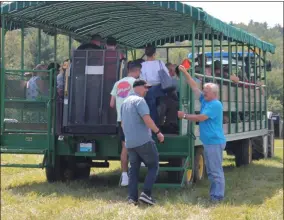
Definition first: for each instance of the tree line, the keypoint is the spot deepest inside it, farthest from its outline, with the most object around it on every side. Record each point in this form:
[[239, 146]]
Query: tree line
[[274, 85]]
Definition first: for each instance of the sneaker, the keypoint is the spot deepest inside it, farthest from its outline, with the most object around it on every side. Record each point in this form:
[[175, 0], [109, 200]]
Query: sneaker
[[60, 137], [124, 180], [132, 202], [143, 164], [146, 199]]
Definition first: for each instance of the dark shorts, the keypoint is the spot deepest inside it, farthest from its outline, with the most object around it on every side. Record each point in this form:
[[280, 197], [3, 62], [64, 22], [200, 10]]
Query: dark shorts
[[120, 132]]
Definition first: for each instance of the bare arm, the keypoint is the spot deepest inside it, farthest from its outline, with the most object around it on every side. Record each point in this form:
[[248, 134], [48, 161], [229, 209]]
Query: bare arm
[[150, 123], [194, 117], [112, 102], [193, 85], [143, 111]]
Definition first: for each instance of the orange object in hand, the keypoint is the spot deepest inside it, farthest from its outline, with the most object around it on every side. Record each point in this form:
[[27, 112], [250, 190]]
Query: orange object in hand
[[186, 63]]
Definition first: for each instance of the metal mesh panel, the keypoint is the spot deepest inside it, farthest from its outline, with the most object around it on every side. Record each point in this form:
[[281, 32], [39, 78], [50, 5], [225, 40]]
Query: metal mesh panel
[[20, 112], [177, 55], [93, 74]]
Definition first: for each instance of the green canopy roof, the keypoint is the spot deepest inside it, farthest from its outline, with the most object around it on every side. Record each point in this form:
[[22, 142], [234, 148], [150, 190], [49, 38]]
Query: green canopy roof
[[133, 24]]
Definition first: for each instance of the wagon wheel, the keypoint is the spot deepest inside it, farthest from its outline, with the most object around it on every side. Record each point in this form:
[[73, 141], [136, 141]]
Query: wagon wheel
[[53, 173], [199, 165], [83, 172], [244, 153], [185, 176], [61, 171], [188, 175]]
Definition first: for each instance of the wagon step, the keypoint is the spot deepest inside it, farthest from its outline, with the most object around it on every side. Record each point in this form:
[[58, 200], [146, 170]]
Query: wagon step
[[23, 165], [22, 151], [167, 185], [163, 169]]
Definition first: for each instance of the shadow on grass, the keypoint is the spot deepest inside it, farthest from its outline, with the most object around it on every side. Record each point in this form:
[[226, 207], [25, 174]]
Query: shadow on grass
[[245, 185], [278, 159]]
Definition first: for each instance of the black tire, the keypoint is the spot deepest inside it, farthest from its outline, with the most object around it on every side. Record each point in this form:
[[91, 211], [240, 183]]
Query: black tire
[[243, 153], [83, 173], [68, 168], [67, 174], [257, 143], [63, 170], [53, 173], [83, 168], [270, 150], [199, 165]]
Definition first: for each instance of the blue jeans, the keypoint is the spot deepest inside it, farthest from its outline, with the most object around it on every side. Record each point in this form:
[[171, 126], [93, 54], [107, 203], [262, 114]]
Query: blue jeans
[[148, 154], [213, 160], [151, 98]]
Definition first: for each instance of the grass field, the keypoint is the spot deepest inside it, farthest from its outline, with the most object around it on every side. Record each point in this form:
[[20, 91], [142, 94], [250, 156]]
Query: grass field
[[253, 192]]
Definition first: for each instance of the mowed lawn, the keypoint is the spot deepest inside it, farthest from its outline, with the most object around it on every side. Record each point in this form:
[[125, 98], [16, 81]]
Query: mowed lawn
[[252, 192]]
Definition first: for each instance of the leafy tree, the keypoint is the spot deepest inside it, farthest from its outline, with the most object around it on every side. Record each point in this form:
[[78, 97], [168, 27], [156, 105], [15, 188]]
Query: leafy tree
[[275, 85], [275, 106], [13, 39]]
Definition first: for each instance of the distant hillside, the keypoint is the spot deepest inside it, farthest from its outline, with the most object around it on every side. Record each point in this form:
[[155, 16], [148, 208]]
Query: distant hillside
[[272, 35], [274, 84]]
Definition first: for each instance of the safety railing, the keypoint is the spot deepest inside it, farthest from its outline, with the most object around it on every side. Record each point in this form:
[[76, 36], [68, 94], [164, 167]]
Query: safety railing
[[22, 104]]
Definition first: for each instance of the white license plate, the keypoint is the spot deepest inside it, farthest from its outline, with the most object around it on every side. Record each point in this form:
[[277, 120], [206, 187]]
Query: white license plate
[[86, 147]]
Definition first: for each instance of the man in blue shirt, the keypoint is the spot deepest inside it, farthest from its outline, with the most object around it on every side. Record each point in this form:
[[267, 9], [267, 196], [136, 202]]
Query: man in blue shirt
[[137, 125], [211, 133]]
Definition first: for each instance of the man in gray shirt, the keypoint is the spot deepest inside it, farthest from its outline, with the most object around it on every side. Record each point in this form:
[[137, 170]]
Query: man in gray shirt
[[137, 125]]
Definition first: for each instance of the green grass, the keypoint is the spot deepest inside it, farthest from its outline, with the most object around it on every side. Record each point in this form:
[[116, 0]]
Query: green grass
[[253, 192]]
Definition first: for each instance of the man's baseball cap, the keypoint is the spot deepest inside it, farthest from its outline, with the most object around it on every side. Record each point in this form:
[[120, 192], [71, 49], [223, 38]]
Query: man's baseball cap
[[141, 82]]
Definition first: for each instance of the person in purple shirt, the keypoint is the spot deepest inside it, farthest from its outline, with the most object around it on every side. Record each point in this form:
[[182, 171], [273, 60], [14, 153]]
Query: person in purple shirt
[[211, 133]]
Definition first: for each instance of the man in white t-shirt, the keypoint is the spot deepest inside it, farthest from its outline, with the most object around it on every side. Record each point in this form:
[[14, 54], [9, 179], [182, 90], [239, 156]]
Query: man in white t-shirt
[[120, 91], [149, 73]]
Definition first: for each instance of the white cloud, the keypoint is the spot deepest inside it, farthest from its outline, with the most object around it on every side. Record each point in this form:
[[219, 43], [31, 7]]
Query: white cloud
[[271, 12]]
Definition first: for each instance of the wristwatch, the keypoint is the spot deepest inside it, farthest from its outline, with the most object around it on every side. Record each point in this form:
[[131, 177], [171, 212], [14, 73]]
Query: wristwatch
[[158, 132], [184, 116]]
